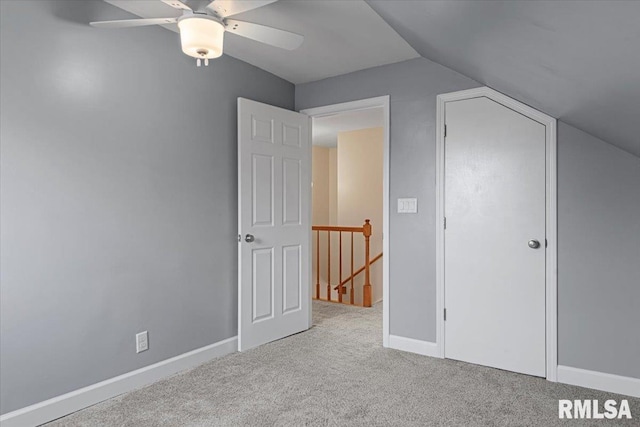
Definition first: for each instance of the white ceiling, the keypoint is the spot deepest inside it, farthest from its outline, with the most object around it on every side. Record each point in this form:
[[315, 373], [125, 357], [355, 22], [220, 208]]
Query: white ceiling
[[340, 37], [578, 61], [325, 129]]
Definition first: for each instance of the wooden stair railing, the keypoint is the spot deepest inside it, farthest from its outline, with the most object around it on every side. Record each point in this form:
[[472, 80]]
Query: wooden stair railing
[[366, 232], [357, 272]]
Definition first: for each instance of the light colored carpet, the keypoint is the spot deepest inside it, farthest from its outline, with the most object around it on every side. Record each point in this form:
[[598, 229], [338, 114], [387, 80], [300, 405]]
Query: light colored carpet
[[338, 374]]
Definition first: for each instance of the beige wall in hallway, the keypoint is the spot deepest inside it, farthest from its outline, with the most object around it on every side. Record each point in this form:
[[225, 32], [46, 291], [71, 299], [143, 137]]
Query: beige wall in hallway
[[333, 186], [347, 189], [320, 186], [325, 186], [324, 211], [360, 157]]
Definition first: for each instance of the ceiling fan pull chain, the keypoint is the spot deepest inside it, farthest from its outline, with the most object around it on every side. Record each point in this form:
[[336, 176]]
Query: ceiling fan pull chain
[[206, 62], [198, 62]]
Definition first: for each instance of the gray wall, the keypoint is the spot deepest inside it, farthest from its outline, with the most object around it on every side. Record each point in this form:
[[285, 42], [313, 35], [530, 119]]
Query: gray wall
[[413, 86], [599, 214], [118, 191], [598, 255]]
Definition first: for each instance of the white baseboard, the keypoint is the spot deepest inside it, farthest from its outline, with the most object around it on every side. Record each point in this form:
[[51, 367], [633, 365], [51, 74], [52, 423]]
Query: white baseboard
[[412, 345], [65, 404], [599, 380]]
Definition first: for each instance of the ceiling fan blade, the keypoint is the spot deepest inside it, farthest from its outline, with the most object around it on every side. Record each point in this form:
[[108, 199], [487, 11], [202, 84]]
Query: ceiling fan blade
[[128, 23], [268, 35], [177, 4], [224, 8]]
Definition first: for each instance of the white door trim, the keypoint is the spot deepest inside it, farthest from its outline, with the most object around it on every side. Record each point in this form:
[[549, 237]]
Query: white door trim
[[362, 104], [551, 216]]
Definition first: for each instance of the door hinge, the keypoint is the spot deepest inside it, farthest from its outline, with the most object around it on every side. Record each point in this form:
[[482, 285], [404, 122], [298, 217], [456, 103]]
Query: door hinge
[[445, 223], [445, 131], [445, 314], [546, 243], [239, 238]]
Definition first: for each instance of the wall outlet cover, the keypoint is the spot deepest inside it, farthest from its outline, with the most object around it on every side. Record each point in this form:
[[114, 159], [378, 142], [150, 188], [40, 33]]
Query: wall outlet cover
[[142, 342]]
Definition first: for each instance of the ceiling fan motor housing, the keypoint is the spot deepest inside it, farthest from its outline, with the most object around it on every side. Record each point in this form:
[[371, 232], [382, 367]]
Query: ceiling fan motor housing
[[202, 36]]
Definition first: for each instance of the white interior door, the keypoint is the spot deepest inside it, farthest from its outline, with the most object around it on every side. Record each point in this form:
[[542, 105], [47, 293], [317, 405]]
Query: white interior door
[[274, 214], [495, 209]]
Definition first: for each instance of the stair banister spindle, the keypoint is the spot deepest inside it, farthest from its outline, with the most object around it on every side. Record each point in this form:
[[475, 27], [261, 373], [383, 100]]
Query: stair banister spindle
[[328, 265], [318, 264], [351, 294], [366, 290], [340, 269]]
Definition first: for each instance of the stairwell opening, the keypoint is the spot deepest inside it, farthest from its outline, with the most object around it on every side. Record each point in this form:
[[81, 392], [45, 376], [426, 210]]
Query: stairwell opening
[[347, 207]]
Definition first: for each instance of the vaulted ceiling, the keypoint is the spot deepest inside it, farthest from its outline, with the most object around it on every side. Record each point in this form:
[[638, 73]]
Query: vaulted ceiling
[[339, 37], [578, 61]]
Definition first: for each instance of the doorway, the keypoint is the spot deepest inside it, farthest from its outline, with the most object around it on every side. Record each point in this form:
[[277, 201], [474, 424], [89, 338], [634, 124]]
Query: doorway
[[345, 113], [496, 184], [274, 218]]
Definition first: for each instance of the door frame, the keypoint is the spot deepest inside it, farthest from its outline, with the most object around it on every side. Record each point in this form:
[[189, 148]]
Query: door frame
[[363, 104], [551, 274]]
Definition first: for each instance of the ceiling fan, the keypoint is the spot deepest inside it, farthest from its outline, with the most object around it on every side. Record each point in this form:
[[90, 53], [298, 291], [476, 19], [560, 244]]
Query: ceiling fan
[[202, 26]]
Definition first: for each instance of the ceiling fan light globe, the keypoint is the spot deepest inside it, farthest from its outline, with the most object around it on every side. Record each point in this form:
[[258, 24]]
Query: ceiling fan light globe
[[201, 36]]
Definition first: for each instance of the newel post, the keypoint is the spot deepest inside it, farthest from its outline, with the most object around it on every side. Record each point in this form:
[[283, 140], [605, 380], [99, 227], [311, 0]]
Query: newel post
[[366, 291]]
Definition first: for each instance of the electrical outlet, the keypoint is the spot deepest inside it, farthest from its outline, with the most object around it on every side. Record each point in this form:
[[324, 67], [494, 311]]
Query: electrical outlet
[[142, 342]]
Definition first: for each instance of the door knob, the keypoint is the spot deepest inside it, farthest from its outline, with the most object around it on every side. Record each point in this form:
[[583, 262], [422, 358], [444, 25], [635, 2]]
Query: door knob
[[533, 244], [249, 238]]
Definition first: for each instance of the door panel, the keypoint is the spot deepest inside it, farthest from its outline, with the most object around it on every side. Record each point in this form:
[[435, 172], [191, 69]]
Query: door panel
[[262, 190], [262, 280], [292, 278], [291, 135], [261, 129], [291, 174], [274, 164], [495, 202]]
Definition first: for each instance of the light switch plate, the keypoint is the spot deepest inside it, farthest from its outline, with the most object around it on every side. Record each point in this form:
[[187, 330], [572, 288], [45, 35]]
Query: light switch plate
[[408, 205]]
